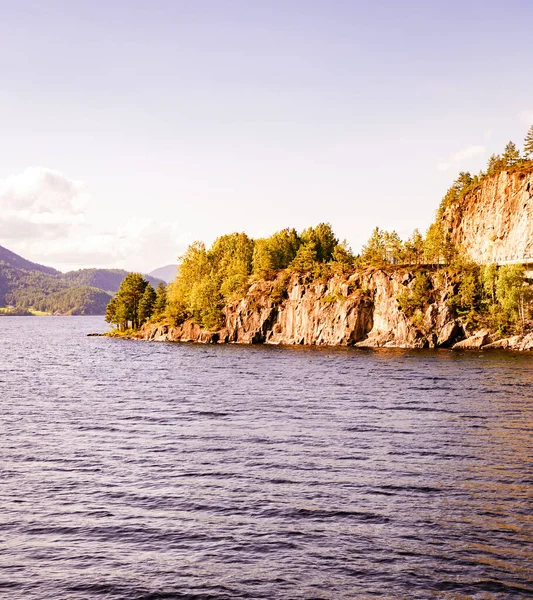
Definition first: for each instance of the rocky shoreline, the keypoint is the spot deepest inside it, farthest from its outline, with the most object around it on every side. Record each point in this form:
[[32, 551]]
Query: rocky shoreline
[[361, 310]]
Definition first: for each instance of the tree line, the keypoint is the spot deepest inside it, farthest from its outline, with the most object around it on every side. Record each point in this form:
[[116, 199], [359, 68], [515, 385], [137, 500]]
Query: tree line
[[510, 160], [210, 278], [135, 303]]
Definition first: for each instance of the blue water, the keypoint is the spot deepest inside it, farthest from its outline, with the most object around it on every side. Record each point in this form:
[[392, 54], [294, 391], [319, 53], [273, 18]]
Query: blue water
[[133, 470]]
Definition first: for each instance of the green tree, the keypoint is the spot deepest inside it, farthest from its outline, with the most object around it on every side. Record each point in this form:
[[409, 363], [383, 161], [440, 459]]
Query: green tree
[[123, 309], [373, 253], [343, 256], [511, 154], [489, 277], [305, 259], [274, 253], [513, 294], [160, 304], [231, 263], [194, 269], [528, 143], [146, 304], [495, 165], [111, 311], [323, 240], [414, 248], [393, 247]]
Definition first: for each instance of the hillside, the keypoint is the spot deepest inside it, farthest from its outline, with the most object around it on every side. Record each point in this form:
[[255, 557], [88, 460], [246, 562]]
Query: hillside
[[103, 279], [14, 260], [28, 285]]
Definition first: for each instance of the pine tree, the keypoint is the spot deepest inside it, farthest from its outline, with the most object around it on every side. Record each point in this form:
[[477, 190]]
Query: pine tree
[[146, 304], [129, 295], [374, 252], [305, 258], [160, 304], [528, 143], [511, 154]]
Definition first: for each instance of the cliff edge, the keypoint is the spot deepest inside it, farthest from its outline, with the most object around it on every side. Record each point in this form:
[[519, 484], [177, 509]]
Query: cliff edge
[[361, 310], [494, 221]]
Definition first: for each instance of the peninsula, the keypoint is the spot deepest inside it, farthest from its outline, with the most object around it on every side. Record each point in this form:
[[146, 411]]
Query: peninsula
[[466, 283]]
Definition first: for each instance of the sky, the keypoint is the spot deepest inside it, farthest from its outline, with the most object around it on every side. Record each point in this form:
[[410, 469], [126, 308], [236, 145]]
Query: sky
[[129, 129]]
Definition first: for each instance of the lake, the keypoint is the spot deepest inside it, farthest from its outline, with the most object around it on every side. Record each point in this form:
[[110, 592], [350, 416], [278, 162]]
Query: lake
[[136, 471]]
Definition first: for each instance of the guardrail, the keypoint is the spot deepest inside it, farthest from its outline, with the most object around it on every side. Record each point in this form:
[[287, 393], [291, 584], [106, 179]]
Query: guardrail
[[526, 259]]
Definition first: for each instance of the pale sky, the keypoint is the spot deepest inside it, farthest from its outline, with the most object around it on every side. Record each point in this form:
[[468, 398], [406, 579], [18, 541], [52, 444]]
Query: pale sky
[[129, 129]]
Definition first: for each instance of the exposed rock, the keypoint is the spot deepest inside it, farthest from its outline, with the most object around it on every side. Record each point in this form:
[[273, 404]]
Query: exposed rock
[[519, 343], [475, 342], [362, 310], [494, 222]]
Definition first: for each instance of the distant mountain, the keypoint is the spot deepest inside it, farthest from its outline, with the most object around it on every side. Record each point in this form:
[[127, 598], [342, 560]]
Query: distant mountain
[[104, 279], [14, 260], [28, 285], [167, 273]]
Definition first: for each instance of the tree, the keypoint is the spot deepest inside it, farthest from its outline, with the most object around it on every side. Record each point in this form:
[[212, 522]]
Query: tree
[[393, 247], [111, 311], [489, 278], [513, 293], [511, 154], [343, 256], [495, 165], [305, 259], [463, 181], [123, 309], [373, 253], [414, 248], [323, 239], [275, 253], [528, 143], [146, 304], [160, 304]]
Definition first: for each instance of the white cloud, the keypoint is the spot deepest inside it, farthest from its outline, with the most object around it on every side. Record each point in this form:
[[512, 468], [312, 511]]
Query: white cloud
[[459, 156], [40, 203], [43, 218], [526, 116]]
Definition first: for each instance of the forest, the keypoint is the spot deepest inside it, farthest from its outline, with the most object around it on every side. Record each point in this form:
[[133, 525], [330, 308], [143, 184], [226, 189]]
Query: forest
[[27, 287]]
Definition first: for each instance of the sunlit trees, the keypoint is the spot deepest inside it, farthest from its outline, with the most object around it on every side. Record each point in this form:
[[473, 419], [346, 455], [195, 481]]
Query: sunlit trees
[[373, 253], [513, 294], [528, 143], [323, 239], [305, 259], [124, 309], [511, 154], [275, 253], [414, 248], [146, 304], [160, 304]]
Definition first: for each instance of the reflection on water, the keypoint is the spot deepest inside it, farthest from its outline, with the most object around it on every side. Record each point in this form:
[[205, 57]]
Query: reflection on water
[[133, 470]]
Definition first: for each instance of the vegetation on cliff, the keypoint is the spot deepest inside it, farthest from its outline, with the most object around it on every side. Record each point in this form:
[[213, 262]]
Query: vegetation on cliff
[[210, 279], [510, 160]]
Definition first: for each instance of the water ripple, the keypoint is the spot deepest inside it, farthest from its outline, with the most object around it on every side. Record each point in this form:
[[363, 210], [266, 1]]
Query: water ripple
[[135, 471]]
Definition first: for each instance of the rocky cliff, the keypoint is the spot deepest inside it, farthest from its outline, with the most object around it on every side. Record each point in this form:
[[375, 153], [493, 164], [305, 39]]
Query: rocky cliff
[[494, 221], [360, 310]]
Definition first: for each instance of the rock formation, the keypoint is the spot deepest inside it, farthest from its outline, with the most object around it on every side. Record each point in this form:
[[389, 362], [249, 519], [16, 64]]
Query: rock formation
[[359, 310], [494, 221]]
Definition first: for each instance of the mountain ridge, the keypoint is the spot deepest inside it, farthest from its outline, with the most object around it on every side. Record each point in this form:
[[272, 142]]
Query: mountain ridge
[[27, 285]]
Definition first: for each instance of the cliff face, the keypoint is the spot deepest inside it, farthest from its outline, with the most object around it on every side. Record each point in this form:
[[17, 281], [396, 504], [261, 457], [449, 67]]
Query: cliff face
[[494, 222], [362, 310]]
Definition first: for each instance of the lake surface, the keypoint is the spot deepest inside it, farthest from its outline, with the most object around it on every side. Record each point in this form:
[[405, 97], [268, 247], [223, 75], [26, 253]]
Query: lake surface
[[156, 471]]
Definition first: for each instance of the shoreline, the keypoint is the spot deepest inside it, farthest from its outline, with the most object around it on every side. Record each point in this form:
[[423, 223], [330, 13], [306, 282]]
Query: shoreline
[[522, 344]]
